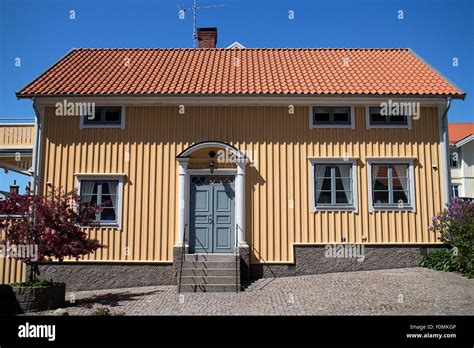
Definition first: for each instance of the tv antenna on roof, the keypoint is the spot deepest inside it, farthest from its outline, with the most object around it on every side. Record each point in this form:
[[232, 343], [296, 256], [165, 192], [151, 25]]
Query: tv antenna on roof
[[195, 8]]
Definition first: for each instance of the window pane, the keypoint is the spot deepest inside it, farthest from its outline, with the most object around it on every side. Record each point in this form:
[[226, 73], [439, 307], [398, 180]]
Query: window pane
[[381, 197], [107, 201], [400, 170], [375, 116], [400, 197], [88, 187], [96, 118], [112, 115], [342, 115], [323, 171], [400, 184], [107, 214], [321, 115], [380, 184], [89, 199], [326, 184], [380, 171], [343, 197], [398, 119], [324, 197]]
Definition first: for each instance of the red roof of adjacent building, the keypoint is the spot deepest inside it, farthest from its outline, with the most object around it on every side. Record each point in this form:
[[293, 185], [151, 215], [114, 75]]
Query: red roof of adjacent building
[[279, 71], [459, 131]]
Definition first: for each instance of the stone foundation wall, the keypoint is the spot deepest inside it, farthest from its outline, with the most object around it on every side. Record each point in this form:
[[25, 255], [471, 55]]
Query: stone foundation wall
[[94, 276], [311, 259]]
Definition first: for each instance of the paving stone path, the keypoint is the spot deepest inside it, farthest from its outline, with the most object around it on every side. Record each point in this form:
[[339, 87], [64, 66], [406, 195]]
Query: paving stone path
[[408, 291]]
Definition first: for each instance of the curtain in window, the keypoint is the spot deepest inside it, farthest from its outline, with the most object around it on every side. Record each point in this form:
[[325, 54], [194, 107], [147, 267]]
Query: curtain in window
[[345, 172], [87, 188], [113, 192], [320, 170], [375, 174], [401, 171]]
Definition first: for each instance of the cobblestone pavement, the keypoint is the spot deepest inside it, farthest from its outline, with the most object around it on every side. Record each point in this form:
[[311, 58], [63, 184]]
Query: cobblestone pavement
[[409, 291]]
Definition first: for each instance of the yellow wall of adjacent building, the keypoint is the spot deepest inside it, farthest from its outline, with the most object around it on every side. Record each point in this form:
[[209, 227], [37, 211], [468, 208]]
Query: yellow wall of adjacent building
[[277, 184]]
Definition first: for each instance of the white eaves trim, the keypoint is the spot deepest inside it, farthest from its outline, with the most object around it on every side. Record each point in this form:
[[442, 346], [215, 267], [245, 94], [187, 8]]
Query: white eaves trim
[[465, 141], [209, 100]]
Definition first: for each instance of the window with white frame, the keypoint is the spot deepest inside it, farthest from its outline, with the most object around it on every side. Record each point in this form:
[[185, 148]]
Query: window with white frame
[[331, 117], [377, 119], [334, 185], [391, 185], [104, 116], [106, 195], [455, 190]]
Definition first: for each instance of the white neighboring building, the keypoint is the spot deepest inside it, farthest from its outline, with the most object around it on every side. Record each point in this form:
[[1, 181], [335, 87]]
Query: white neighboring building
[[461, 142]]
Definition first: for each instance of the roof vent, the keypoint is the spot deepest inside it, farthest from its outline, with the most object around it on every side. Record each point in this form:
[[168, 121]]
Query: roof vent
[[207, 37], [236, 44]]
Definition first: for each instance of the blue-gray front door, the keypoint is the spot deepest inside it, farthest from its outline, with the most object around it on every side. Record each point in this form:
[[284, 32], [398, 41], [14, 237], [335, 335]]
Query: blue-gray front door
[[212, 214]]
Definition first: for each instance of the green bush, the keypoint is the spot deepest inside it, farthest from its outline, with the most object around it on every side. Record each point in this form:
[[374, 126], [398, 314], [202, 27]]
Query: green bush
[[34, 283], [455, 227], [441, 260]]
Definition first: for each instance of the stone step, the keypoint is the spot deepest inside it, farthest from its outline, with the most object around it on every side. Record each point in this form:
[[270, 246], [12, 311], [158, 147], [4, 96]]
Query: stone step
[[209, 288], [193, 280], [210, 264], [209, 272], [210, 257]]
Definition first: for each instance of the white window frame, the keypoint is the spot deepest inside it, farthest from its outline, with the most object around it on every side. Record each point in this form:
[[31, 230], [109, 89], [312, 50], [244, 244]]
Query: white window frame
[[100, 177], [369, 126], [458, 187], [334, 160], [410, 175], [312, 125], [84, 125]]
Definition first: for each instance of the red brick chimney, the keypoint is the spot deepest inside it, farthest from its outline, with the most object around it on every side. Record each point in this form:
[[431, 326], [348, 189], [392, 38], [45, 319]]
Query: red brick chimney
[[207, 37]]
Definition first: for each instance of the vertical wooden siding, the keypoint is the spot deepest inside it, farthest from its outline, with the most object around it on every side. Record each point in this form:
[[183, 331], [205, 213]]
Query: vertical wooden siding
[[16, 135], [11, 271], [277, 186]]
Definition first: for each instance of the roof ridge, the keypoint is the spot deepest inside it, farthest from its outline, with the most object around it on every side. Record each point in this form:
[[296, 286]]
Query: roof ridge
[[246, 48]]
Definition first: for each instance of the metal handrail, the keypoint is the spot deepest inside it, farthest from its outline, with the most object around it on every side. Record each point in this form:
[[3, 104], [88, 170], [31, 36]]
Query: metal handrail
[[202, 246], [183, 251]]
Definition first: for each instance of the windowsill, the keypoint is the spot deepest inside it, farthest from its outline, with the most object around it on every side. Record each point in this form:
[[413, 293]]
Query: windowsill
[[334, 208], [376, 209], [388, 126], [316, 126], [104, 225], [86, 126]]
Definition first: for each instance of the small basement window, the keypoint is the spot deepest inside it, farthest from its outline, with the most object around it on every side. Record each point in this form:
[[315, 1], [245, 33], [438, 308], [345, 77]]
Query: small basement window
[[331, 117], [105, 116]]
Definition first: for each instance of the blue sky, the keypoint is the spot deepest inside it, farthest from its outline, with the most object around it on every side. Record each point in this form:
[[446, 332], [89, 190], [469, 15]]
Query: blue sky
[[41, 32]]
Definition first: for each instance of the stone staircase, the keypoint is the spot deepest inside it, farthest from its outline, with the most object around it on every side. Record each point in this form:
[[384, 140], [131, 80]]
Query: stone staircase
[[210, 273]]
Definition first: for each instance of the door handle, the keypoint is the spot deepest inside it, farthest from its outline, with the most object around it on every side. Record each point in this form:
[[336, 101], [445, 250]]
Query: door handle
[[209, 219]]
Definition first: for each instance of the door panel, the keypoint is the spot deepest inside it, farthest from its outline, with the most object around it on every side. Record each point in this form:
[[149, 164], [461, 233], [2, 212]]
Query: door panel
[[200, 232], [223, 217], [212, 214]]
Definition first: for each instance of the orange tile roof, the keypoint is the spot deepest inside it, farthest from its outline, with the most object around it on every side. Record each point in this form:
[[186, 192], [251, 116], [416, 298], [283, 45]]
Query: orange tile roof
[[459, 131], [279, 71]]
